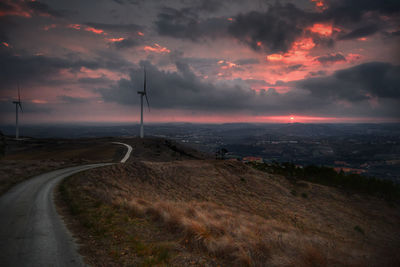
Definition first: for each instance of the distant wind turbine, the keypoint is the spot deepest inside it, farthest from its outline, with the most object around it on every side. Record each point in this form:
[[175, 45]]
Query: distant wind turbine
[[17, 104], [143, 93]]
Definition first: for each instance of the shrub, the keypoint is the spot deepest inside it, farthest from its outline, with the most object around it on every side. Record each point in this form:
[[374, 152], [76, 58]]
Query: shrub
[[359, 229], [328, 176]]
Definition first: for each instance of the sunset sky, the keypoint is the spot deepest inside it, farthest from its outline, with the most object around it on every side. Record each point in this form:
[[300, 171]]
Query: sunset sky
[[206, 60]]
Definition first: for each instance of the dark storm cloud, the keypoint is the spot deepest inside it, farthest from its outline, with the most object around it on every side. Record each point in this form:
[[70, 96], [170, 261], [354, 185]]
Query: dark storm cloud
[[5, 26], [331, 58], [43, 9], [127, 43], [185, 24], [276, 29], [130, 2], [209, 5], [6, 7], [121, 2], [24, 68], [360, 32], [350, 11], [362, 82], [183, 90], [25, 8], [280, 25]]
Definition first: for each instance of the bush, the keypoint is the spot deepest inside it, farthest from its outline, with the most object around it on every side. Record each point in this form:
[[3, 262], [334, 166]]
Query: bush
[[359, 229], [328, 176]]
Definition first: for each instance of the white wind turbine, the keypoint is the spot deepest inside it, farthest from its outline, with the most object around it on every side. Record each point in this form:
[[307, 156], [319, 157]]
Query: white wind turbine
[[17, 104], [143, 93]]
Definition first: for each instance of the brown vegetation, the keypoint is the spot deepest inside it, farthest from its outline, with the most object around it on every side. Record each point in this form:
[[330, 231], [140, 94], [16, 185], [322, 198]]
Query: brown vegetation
[[228, 213], [24, 159]]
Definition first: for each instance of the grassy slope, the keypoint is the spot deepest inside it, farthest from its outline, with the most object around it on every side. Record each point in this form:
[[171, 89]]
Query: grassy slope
[[206, 212], [25, 159]]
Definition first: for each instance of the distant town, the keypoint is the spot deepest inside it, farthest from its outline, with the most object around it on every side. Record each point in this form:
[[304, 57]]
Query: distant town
[[367, 149]]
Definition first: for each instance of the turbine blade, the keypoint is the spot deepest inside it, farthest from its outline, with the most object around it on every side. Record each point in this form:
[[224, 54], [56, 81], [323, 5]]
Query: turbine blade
[[147, 100], [20, 106], [144, 83], [19, 96]]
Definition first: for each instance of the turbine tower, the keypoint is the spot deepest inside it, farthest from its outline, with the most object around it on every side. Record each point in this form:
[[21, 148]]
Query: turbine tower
[[143, 93], [17, 104]]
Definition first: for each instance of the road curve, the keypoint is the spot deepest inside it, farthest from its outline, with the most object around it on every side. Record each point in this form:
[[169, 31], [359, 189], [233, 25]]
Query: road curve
[[128, 153], [32, 233]]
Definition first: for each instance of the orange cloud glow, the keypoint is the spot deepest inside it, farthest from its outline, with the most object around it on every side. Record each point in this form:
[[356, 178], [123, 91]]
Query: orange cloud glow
[[322, 29], [319, 4], [115, 40], [298, 52], [274, 57], [94, 30], [99, 73], [156, 48], [88, 29], [303, 44], [226, 64], [39, 101]]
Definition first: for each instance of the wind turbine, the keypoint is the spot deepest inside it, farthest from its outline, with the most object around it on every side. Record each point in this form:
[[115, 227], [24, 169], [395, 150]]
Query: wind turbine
[[17, 104], [143, 93]]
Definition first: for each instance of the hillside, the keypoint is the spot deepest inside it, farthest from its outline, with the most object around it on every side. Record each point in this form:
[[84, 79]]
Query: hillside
[[26, 158], [170, 206]]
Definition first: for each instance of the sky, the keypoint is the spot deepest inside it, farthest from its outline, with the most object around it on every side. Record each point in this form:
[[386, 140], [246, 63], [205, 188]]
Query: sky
[[207, 61]]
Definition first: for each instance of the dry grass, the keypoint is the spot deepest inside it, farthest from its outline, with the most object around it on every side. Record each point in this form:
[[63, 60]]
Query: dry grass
[[25, 159], [242, 217]]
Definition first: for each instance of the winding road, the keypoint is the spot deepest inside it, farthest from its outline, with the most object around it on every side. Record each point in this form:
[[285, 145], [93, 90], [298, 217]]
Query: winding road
[[32, 233]]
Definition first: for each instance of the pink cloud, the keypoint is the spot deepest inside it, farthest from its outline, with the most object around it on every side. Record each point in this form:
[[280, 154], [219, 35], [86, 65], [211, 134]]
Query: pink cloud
[[227, 64], [115, 40], [157, 49], [39, 101], [94, 30], [87, 28], [319, 4], [322, 29], [297, 54], [353, 57]]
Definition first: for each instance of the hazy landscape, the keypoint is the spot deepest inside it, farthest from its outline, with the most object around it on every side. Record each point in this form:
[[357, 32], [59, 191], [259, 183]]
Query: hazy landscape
[[367, 149]]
